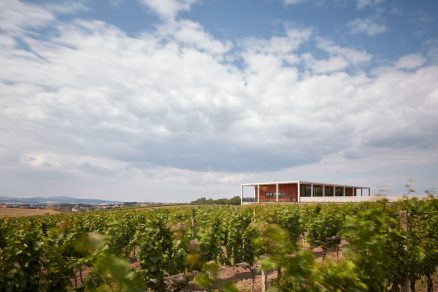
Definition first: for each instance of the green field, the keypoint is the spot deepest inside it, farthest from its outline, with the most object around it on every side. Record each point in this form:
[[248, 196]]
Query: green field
[[310, 247]]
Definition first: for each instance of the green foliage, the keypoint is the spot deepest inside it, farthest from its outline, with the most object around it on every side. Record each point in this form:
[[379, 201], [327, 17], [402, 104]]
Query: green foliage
[[289, 219], [57, 267], [342, 276], [239, 238], [422, 238], [324, 229], [155, 252], [47, 253], [210, 238], [109, 273], [281, 254], [376, 244], [20, 265]]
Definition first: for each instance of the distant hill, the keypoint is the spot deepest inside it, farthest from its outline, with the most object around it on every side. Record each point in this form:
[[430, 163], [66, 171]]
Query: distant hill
[[54, 200]]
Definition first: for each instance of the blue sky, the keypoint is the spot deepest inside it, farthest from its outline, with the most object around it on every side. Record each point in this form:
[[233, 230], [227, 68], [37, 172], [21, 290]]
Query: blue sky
[[177, 99]]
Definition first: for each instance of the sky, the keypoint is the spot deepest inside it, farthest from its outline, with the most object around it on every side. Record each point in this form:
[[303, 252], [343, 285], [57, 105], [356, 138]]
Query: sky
[[171, 100]]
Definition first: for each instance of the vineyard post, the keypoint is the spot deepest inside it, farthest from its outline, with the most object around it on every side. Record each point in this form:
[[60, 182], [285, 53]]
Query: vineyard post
[[264, 281], [404, 228], [193, 223], [75, 278], [80, 275], [264, 276], [193, 226]]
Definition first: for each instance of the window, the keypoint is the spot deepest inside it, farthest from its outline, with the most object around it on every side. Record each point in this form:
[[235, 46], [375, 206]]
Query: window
[[273, 195], [248, 199], [329, 191], [317, 191], [339, 192], [306, 191]]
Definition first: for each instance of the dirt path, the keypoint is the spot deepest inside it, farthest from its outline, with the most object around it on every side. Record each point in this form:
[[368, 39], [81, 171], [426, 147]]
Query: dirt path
[[241, 277]]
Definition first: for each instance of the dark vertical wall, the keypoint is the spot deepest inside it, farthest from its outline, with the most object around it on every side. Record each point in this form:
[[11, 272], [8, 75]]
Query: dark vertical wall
[[329, 191], [302, 189]]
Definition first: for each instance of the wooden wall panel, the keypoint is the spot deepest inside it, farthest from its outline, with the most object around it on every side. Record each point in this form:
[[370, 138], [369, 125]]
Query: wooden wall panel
[[290, 191]]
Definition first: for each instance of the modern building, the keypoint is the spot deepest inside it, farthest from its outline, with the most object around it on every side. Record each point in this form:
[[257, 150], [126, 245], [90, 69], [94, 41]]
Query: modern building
[[302, 191]]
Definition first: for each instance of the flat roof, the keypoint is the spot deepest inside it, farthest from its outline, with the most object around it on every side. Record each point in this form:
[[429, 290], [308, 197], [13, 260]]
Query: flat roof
[[303, 182]]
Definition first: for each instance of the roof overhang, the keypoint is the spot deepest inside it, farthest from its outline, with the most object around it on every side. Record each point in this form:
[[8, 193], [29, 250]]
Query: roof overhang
[[302, 182]]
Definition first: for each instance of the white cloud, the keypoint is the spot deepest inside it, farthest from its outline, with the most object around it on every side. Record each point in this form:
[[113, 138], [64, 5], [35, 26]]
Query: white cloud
[[422, 17], [66, 7], [353, 56], [412, 61], [94, 110], [281, 46], [192, 34], [168, 9], [292, 2], [17, 16], [366, 25], [332, 64], [116, 3], [396, 11], [432, 49], [365, 3], [340, 58]]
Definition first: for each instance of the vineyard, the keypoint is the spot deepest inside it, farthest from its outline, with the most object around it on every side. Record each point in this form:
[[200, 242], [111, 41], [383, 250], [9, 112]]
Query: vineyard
[[384, 246]]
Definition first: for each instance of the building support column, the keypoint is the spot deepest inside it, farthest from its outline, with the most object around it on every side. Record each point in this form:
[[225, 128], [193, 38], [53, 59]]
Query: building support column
[[369, 192], [361, 189], [276, 193], [241, 194], [334, 191], [299, 192], [258, 193], [311, 190], [323, 190], [343, 194]]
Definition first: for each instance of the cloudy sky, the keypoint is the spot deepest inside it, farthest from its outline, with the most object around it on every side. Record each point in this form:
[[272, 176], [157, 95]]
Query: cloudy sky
[[170, 100]]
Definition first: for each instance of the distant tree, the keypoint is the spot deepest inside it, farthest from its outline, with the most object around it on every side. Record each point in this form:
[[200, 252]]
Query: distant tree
[[220, 201], [234, 200], [224, 201]]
